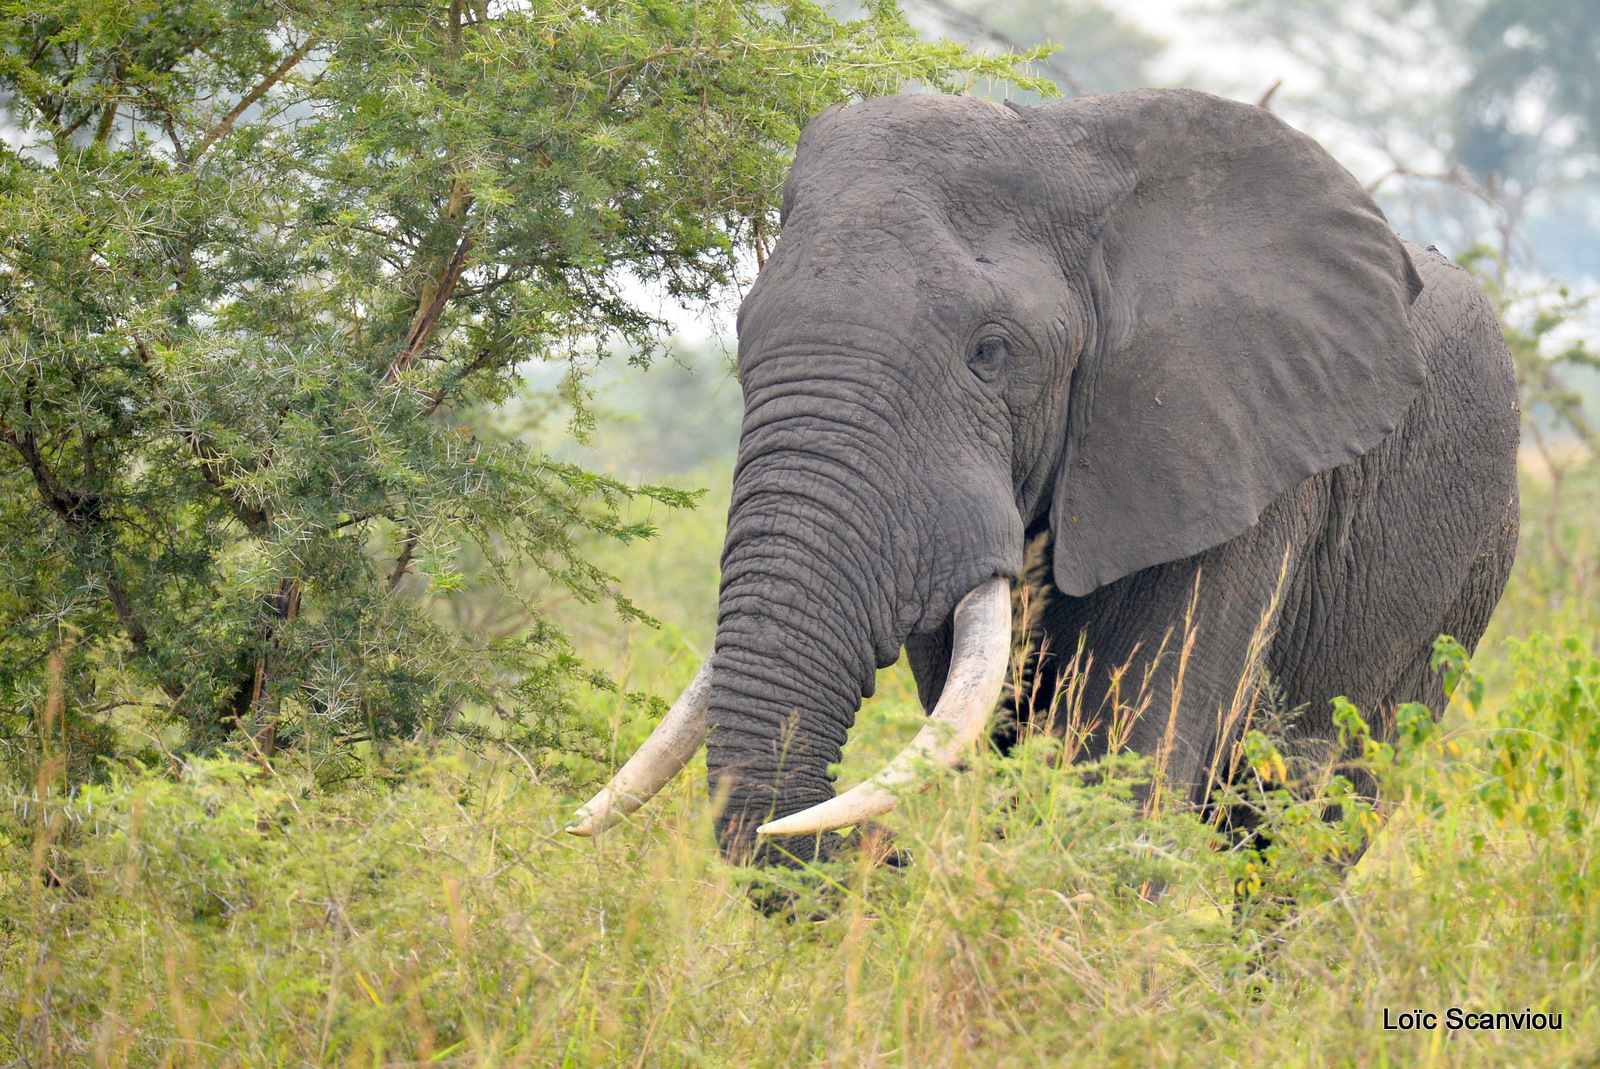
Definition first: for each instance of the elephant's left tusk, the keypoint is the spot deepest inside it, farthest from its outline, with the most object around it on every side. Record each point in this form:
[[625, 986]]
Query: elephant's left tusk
[[681, 732], [981, 648]]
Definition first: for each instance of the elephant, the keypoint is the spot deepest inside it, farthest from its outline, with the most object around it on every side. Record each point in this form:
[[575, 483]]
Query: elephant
[[1163, 332]]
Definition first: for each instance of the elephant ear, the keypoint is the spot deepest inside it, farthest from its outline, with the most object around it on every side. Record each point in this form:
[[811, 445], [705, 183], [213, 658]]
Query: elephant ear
[[1252, 327]]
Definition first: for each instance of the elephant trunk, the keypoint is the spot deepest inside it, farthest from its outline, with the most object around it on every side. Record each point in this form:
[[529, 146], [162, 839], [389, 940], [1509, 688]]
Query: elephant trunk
[[980, 655], [804, 622]]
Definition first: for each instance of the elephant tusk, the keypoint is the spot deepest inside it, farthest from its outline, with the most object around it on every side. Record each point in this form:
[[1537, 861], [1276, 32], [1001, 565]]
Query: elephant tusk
[[980, 651], [670, 746]]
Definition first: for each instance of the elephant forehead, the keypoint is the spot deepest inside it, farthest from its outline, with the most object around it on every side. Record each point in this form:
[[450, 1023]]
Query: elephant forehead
[[901, 250], [874, 275], [907, 129], [970, 163]]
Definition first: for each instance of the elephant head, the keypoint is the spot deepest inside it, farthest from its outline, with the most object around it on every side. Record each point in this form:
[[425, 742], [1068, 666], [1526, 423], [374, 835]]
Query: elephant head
[[1138, 318]]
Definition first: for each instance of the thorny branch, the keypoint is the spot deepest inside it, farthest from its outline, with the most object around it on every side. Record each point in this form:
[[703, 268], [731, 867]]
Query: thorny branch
[[436, 296], [254, 517], [81, 513], [402, 564], [221, 129]]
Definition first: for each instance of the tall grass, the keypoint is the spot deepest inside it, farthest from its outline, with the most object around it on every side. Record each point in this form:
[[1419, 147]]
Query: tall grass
[[233, 916], [434, 913]]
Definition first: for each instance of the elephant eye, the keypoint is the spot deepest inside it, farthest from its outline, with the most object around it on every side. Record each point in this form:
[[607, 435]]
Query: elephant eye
[[988, 358]]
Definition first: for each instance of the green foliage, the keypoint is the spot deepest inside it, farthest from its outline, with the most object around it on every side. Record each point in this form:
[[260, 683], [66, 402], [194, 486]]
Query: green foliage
[[1543, 755], [234, 915], [262, 270]]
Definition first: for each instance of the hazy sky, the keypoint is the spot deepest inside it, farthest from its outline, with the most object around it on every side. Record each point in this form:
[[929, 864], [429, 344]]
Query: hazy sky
[[1198, 54]]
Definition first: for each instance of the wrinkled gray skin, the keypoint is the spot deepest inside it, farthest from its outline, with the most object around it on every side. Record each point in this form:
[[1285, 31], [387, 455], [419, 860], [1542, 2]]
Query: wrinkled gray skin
[[1163, 326]]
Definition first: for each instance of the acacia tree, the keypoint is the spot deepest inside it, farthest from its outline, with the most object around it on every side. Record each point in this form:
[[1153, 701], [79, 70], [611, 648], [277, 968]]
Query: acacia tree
[[256, 262]]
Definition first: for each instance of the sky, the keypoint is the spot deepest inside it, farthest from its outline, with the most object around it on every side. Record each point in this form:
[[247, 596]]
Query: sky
[[1198, 54]]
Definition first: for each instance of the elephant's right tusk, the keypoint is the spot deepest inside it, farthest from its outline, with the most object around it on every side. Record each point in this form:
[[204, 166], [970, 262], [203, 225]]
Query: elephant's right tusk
[[670, 746], [980, 651]]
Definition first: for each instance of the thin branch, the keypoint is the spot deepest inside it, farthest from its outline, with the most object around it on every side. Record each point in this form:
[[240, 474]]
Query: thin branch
[[478, 363], [75, 510], [79, 512], [254, 518], [262, 731], [429, 313], [402, 564], [103, 129], [177, 146], [132, 626], [221, 129]]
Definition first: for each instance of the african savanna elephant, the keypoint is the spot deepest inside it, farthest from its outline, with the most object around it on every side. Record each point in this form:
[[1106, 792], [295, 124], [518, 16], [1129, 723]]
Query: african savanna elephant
[[1162, 326]]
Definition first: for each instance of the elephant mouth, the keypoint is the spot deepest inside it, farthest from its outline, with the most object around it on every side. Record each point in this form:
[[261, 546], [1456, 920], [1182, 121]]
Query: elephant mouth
[[980, 650]]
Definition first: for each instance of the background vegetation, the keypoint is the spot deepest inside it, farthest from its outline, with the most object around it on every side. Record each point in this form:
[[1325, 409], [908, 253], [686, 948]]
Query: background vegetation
[[309, 450], [261, 264]]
